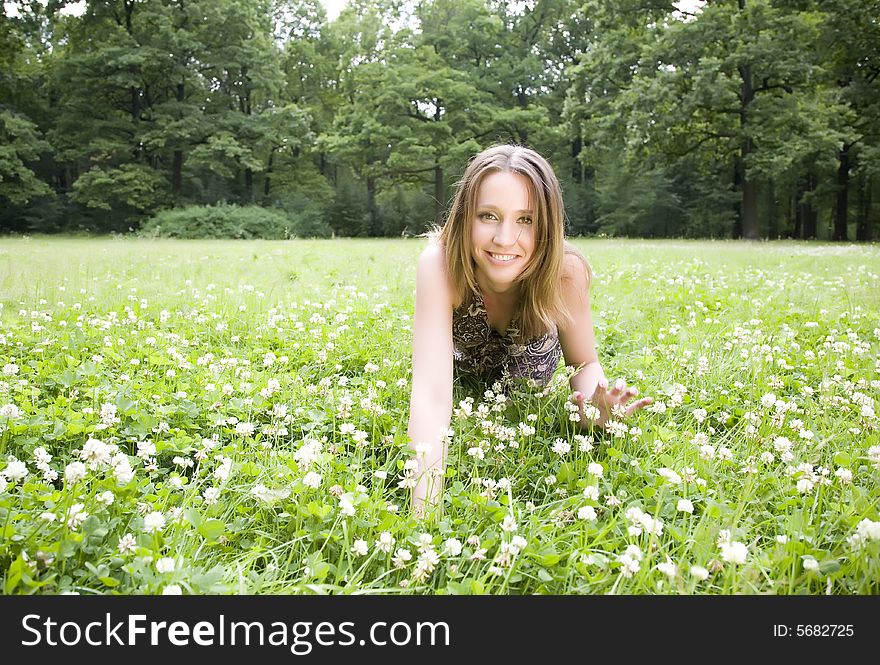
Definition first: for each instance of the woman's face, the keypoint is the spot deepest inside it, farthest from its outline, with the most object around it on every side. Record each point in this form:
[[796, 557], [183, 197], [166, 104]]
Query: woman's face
[[502, 233]]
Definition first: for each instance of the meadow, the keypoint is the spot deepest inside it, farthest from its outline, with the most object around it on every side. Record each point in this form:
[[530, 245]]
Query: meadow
[[229, 417]]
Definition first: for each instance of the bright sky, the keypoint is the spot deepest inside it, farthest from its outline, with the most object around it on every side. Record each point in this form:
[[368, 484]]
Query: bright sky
[[333, 7]]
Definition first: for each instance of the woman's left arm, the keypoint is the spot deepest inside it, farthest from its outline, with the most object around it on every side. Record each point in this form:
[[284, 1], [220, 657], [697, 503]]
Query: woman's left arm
[[579, 350]]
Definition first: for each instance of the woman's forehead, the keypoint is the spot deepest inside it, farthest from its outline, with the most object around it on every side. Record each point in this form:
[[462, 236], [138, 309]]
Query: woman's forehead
[[507, 188]]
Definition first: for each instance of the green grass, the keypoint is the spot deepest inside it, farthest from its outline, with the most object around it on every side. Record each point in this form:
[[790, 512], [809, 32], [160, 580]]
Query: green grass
[[240, 370]]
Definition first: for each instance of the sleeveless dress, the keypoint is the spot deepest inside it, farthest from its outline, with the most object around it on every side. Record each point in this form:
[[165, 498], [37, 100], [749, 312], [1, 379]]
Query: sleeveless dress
[[481, 353]]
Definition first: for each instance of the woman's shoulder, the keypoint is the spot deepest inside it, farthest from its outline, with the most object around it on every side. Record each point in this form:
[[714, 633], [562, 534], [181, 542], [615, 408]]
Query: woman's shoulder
[[575, 267], [432, 261], [432, 270]]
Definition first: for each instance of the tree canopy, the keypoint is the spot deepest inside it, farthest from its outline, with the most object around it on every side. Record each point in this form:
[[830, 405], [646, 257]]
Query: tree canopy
[[741, 118]]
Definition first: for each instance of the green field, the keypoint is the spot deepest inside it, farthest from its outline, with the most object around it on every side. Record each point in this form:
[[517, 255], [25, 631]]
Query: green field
[[230, 417]]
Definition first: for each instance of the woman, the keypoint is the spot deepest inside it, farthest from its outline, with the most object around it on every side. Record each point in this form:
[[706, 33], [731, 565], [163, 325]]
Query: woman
[[499, 292]]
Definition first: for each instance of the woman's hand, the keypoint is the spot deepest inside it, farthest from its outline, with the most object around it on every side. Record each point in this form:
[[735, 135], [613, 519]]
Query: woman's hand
[[612, 403]]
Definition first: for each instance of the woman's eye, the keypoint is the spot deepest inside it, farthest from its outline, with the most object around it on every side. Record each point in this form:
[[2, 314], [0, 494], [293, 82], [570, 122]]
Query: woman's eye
[[487, 216], [526, 220]]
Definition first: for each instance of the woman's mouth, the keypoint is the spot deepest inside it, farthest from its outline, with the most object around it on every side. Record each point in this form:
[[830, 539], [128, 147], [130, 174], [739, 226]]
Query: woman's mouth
[[502, 258]]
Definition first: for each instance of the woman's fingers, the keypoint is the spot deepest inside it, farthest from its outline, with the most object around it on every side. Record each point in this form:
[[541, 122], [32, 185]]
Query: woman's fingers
[[639, 404], [628, 394], [618, 387]]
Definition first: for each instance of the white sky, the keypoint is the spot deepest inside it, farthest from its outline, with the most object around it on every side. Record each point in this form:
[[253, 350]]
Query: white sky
[[333, 7]]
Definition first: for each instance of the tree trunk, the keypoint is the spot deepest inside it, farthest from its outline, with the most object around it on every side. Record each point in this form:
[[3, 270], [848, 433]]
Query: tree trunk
[[772, 218], [863, 219], [807, 218], [439, 205], [177, 161], [268, 182], [577, 168], [840, 216], [749, 205], [248, 185], [738, 208], [371, 204]]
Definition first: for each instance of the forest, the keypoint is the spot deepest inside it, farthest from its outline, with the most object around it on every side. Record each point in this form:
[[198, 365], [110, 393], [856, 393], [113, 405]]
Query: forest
[[755, 119]]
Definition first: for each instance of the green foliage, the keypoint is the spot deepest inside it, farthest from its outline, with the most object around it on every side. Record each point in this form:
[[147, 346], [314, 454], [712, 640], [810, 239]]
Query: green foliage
[[134, 186], [230, 418], [231, 221], [348, 214], [20, 145], [757, 117]]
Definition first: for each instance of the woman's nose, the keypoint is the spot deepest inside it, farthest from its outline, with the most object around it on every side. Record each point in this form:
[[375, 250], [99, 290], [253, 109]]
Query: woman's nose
[[506, 234]]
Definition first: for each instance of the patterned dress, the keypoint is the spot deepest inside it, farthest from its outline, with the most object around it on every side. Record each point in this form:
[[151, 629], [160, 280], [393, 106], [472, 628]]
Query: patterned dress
[[481, 353]]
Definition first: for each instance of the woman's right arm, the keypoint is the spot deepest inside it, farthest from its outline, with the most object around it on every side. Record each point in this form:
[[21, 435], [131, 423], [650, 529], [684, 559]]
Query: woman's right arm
[[430, 408]]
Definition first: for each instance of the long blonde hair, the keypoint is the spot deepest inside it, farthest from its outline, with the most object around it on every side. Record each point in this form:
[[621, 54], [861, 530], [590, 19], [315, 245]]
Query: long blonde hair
[[541, 306]]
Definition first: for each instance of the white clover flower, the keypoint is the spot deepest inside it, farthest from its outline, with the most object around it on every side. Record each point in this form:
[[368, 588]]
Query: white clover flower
[[699, 573], [48, 516], [76, 516], [670, 476], [629, 561], [385, 543], [41, 456], [844, 475], [360, 548], [700, 439], [244, 429], [312, 479], [804, 485], [452, 547], [222, 472], [591, 493], [508, 524], [734, 552], [401, 556], [96, 453], [700, 415], [262, 493], [165, 565], [74, 472], [146, 449], [106, 498], [122, 470], [811, 564], [172, 590], [15, 470], [108, 414], [127, 544], [685, 506], [768, 400], [346, 505], [10, 411], [587, 513], [595, 469], [866, 530], [668, 568], [561, 447], [154, 521]]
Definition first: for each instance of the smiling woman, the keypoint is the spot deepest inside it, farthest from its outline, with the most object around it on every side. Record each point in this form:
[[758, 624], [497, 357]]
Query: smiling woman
[[500, 295]]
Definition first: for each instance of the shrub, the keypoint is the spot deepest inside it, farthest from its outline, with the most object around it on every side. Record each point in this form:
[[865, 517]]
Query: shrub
[[225, 221]]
